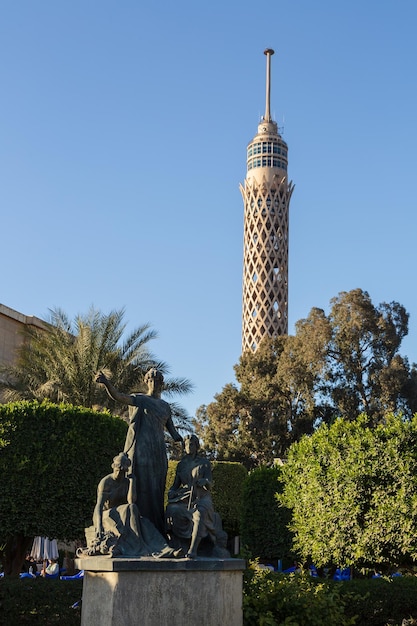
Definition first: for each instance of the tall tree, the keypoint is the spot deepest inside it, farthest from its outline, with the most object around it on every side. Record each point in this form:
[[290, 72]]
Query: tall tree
[[59, 363], [300, 370], [356, 348], [258, 421], [340, 364]]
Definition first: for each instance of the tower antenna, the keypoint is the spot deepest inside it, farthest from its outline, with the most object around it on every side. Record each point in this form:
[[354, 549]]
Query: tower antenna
[[268, 52]]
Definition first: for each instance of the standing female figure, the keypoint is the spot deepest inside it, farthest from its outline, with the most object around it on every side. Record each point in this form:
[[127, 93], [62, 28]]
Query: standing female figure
[[149, 416]]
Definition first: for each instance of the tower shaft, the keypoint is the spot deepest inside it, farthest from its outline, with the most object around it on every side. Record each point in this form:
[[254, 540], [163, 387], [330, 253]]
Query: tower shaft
[[266, 196]]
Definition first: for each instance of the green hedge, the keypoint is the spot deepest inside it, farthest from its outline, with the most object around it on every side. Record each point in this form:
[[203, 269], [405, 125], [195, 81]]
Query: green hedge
[[39, 602], [264, 532], [273, 599], [352, 489], [228, 479], [269, 599], [53, 457], [380, 601]]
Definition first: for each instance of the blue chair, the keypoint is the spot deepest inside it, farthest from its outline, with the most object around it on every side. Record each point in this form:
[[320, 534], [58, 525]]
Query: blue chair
[[26, 575], [345, 573], [342, 574], [80, 574]]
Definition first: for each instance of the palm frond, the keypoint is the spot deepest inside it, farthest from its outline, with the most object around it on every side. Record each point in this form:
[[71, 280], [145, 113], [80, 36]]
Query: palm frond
[[177, 386], [60, 362]]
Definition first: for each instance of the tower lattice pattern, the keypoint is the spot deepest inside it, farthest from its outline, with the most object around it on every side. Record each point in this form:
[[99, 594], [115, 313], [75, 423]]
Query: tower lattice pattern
[[265, 262]]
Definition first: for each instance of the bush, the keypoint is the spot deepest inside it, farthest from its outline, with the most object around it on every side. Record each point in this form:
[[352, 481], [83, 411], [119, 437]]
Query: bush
[[273, 599], [264, 532], [39, 602], [352, 488], [381, 601], [228, 480], [53, 457], [269, 599]]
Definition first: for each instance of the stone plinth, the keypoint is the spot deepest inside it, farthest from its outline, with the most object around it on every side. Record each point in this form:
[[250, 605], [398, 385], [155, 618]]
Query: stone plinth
[[159, 592]]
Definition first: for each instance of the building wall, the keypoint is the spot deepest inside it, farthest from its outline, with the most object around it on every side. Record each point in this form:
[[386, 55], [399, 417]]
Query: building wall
[[12, 324]]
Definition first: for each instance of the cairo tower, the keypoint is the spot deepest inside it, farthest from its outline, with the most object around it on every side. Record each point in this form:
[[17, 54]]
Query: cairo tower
[[266, 195]]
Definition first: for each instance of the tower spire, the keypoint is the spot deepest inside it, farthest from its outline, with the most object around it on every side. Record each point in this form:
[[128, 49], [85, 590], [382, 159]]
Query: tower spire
[[268, 52]]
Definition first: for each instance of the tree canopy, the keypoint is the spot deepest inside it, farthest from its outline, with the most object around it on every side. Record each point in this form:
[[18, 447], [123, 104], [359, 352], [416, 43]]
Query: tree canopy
[[258, 422], [352, 488], [339, 364], [51, 460], [356, 348], [59, 363]]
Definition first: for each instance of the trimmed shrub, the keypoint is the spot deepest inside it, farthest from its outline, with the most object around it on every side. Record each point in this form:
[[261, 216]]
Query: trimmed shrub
[[352, 489], [273, 599], [264, 532], [52, 458], [40, 602], [380, 601], [228, 480]]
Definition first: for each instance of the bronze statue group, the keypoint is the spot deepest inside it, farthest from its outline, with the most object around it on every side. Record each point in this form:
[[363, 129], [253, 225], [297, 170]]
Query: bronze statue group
[[129, 517]]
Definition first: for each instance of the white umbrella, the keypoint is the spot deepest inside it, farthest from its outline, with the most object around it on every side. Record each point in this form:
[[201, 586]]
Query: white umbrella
[[44, 549]]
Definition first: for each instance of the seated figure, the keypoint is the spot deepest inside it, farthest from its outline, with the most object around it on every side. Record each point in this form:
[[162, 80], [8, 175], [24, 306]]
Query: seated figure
[[119, 529], [52, 569], [190, 513]]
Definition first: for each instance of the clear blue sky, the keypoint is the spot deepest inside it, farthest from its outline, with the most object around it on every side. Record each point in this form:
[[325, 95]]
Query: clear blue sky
[[123, 134]]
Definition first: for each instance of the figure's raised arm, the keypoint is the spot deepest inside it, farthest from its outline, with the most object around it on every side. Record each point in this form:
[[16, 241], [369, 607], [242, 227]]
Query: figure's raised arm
[[124, 398]]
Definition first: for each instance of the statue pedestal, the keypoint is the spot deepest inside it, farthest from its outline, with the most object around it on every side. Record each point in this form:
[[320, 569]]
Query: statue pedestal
[[155, 592]]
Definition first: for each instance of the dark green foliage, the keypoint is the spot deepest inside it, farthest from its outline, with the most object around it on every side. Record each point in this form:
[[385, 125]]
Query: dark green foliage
[[172, 466], [352, 488], [355, 354], [39, 602], [228, 481], [274, 599], [380, 601], [256, 423], [271, 599], [264, 523], [51, 460]]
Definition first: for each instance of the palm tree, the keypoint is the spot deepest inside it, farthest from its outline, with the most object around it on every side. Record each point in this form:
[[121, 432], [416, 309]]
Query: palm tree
[[59, 363]]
